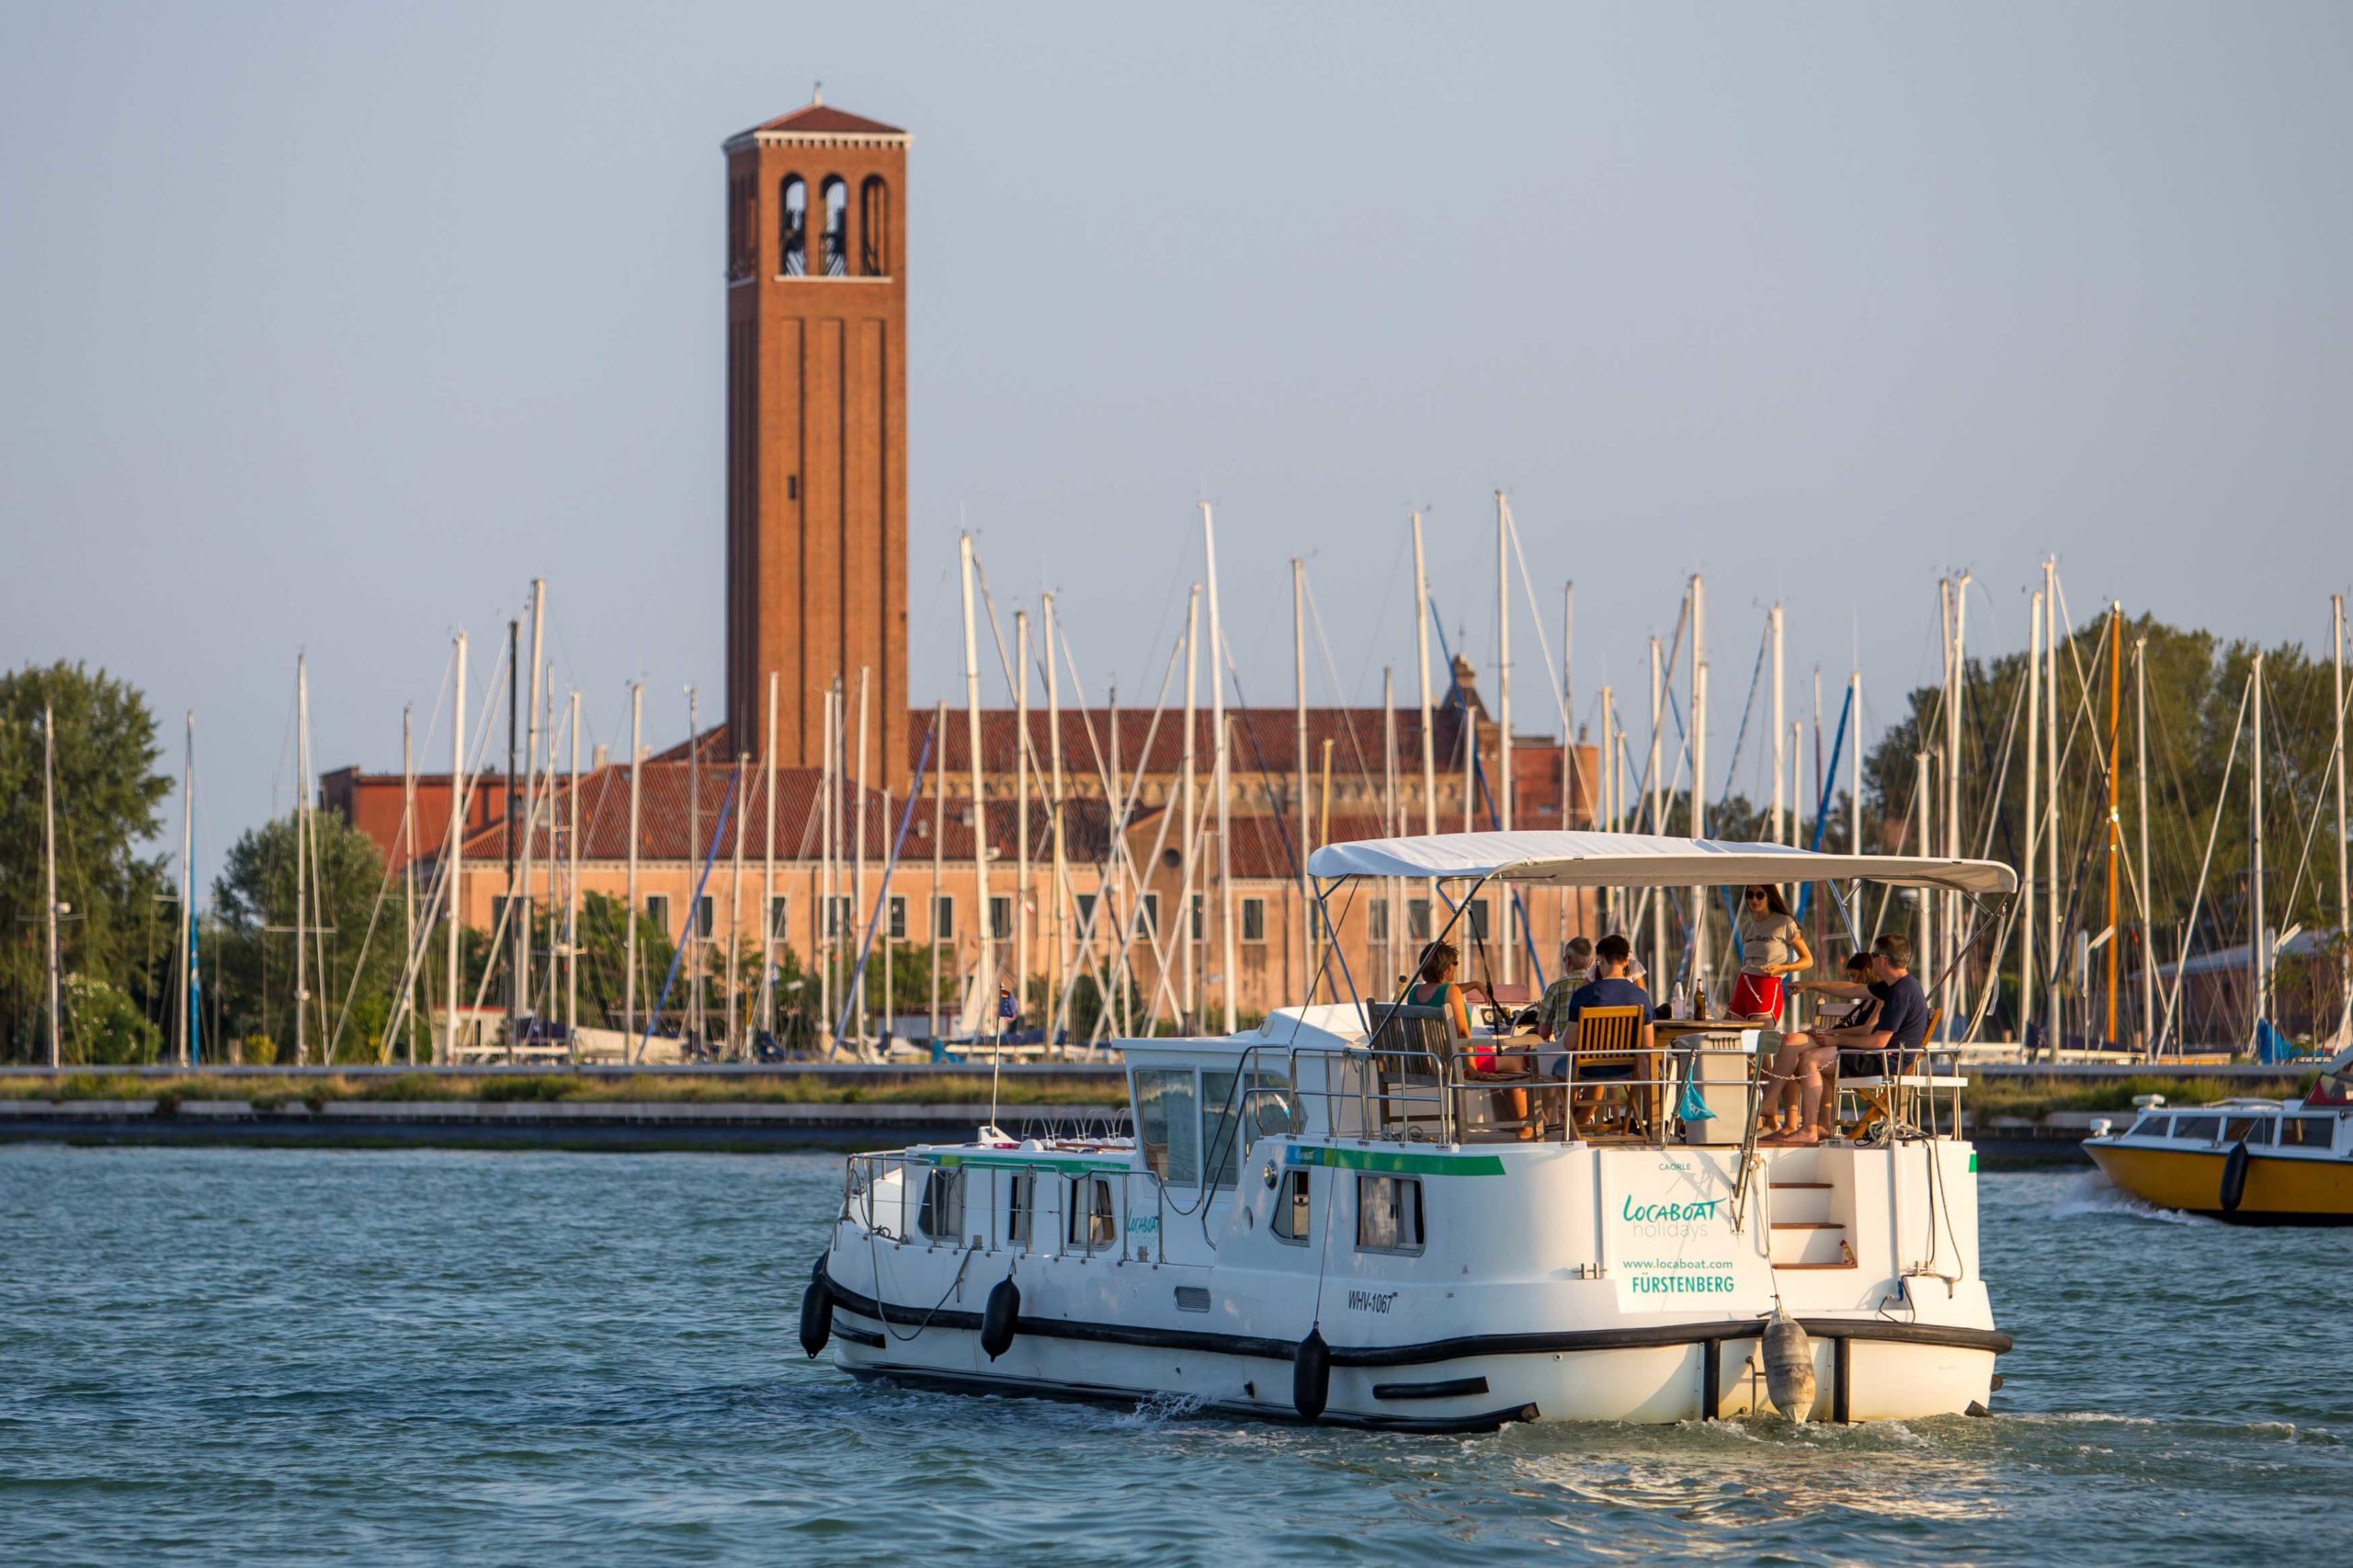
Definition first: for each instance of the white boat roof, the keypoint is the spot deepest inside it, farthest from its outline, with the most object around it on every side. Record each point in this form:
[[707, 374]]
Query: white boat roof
[[1640, 860]]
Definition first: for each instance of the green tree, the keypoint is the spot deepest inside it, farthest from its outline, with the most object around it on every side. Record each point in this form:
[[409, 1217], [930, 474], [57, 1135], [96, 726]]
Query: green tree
[[109, 800], [350, 962]]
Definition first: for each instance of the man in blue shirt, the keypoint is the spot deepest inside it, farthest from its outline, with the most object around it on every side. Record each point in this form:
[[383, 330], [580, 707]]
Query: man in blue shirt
[[1613, 989], [1889, 1043]]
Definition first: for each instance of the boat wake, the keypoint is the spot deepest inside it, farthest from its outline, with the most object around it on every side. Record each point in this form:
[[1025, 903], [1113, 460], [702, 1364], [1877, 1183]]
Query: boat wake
[[2096, 1197]]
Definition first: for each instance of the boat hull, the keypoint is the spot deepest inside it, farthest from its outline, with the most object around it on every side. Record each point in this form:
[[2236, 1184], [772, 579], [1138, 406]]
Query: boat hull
[[2280, 1189]]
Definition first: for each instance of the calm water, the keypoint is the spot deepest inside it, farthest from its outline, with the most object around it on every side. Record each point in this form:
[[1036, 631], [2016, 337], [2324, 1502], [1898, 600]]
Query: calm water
[[257, 1356]]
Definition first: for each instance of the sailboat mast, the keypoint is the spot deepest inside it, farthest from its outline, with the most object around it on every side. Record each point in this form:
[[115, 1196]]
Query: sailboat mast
[[49, 874], [187, 843], [1429, 724], [2052, 900], [2115, 831], [1502, 713], [1060, 875], [939, 834], [1658, 812], [630, 914], [301, 859], [522, 911], [984, 979], [2344, 906], [1780, 757], [768, 933], [2028, 1000], [1190, 935], [735, 916], [2140, 810], [1299, 760], [452, 883], [1021, 807], [572, 892], [1230, 963], [1390, 821], [1698, 771], [693, 927], [408, 891], [1954, 991], [2259, 942], [858, 852]]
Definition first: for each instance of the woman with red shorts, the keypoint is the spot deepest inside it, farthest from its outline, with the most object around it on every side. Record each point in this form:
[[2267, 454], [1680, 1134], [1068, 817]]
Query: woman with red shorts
[[1771, 945]]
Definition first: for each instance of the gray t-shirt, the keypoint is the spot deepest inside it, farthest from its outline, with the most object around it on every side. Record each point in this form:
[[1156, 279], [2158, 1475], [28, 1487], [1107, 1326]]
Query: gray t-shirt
[[1766, 938]]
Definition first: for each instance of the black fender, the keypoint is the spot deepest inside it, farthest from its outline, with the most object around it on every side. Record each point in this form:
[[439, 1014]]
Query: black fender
[[1311, 1375], [817, 1310], [997, 1320], [2235, 1165]]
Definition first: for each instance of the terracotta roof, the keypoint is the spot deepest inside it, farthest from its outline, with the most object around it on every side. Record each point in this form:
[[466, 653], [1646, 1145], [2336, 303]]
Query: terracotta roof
[[825, 119], [666, 825]]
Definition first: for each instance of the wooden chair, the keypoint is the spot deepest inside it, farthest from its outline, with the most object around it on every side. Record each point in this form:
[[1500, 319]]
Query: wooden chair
[[1609, 1039]]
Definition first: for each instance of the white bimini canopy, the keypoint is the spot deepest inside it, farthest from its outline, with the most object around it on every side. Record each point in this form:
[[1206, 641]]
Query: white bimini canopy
[[1640, 860]]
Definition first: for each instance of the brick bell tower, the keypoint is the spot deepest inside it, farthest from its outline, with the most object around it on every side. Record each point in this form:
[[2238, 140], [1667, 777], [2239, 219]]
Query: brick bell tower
[[816, 432]]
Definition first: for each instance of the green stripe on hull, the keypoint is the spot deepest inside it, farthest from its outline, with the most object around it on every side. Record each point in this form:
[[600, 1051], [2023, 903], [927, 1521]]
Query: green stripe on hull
[[1389, 1164]]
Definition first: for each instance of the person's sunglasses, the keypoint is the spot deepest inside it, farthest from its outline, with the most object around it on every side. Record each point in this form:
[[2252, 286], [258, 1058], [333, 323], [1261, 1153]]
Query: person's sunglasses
[[1755, 896]]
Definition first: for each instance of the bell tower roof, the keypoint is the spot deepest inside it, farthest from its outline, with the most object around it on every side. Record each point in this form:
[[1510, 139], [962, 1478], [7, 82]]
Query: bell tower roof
[[818, 118]]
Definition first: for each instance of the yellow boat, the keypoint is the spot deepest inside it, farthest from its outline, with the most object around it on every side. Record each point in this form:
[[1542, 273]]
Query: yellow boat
[[2250, 1162]]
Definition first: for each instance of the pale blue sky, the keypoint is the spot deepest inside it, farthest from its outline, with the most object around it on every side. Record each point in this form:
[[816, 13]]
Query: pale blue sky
[[329, 326]]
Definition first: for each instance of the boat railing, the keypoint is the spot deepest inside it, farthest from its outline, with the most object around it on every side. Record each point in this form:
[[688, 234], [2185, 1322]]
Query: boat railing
[[1052, 1203]]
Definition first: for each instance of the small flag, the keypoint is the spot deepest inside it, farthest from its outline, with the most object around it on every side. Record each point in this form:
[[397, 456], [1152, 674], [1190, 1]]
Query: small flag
[[1005, 1003]]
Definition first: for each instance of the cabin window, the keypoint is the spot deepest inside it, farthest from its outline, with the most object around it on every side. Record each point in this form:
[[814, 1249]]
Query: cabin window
[[1254, 919], [2308, 1131], [1221, 1128], [1167, 1120], [1020, 1203], [2201, 1128], [2152, 1125], [1269, 1109], [2262, 1131], [1092, 1224], [1294, 1217], [1389, 1213], [941, 1214], [2240, 1129]]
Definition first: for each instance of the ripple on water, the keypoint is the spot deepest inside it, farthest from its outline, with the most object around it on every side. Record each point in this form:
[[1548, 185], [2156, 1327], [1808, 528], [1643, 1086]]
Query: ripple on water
[[267, 1356]]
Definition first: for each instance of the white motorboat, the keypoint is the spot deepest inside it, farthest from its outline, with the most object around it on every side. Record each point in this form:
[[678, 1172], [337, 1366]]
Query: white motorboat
[[1328, 1218]]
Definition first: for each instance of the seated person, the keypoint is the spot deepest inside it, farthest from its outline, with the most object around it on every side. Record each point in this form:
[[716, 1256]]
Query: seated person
[[1887, 1043], [1435, 988], [1771, 945], [1614, 953], [1576, 970], [1781, 1099]]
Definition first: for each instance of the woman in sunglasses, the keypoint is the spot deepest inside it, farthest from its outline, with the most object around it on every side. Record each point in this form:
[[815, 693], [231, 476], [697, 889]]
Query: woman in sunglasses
[[1771, 945]]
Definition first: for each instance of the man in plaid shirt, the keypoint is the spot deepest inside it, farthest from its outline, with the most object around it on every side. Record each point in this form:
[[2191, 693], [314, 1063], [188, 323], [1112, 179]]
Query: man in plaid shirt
[[1552, 1012]]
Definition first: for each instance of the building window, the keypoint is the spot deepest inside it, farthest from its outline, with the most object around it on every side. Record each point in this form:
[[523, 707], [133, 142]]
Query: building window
[[793, 226], [780, 919], [792, 487], [702, 918], [502, 919], [1086, 902], [1000, 917], [1376, 920], [657, 912], [1151, 914], [1475, 922], [1418, 920], [943, 919], [1198, 922], [839, 921], [898, 917], [836, 195], [1254, 919], [1389, 1213], [1294, 1214], [874, 227]]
